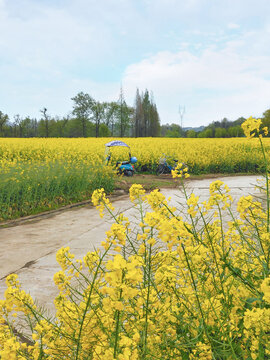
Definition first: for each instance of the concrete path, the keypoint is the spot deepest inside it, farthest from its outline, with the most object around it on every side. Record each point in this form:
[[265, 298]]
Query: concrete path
[[29, 249]]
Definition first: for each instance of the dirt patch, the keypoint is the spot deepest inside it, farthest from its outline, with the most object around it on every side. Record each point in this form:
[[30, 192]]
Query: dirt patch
[[165, 181], [149, 182]]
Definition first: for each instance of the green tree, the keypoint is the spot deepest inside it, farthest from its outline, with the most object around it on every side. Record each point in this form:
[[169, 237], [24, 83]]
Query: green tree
[[17, 128], [146, 118], [172, 134], [124, 115], [104, 131], [122, 104], [3, 122], [266, 119], [82, 109], [207, 133], [220, 132], [138, 115], [174, 131], [146, 104], [98, 111], [235, 131], [191, 133], [110, 115], [154, 123], [27, 127], [60, 126], [73, 128], [24, 127]]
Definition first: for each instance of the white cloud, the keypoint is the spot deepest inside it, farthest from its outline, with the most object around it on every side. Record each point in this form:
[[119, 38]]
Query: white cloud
[[212, 85], [182, 51], [51, 37], [233, 26]]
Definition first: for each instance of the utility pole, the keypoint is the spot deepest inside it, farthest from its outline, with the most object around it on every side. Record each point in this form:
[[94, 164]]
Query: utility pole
[[181, 111], [121, 100]]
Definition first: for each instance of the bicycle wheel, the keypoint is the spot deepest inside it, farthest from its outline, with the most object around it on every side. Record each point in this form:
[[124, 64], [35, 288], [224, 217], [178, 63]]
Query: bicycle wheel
[[160, 169]]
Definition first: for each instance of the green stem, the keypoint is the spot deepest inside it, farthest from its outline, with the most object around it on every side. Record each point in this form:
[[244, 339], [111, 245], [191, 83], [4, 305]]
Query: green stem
[[118, 312], [196, 292], [267, 195], [147, 304], [267, 184], [88, 303], [214, 254]]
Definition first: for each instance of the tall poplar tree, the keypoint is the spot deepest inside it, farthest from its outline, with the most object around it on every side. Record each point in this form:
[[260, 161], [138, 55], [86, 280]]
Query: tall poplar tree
[[146, 119], [138, 115], [124, 115]]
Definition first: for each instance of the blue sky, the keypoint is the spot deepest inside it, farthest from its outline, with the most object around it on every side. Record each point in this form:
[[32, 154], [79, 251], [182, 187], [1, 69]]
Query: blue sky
[[211, 56]]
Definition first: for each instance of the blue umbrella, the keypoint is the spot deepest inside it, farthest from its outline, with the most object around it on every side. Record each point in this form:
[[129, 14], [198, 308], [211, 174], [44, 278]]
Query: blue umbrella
[[116, 143]]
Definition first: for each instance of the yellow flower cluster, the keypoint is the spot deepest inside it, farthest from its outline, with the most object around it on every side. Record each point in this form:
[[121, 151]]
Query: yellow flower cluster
[[136, 192], [100, 200], [202, 351], [219, 194], [265, 287], [251, 126], [180, 171], [192, 203], [116, 235]]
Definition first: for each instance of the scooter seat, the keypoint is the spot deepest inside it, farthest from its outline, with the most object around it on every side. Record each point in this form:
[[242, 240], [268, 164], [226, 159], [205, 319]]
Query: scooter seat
[[125, 162]]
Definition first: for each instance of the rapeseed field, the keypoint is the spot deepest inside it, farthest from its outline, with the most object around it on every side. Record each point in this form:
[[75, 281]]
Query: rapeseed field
[[40, 174]]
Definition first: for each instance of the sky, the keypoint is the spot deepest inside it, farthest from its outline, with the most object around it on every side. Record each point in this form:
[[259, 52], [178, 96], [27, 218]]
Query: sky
[[211, 57]]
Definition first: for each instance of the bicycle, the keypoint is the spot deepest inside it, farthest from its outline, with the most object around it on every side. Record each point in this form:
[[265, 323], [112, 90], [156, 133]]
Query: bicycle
[[164, 167]]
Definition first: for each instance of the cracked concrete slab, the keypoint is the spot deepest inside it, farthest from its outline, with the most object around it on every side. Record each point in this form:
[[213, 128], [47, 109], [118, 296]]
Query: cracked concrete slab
[[29, 249]]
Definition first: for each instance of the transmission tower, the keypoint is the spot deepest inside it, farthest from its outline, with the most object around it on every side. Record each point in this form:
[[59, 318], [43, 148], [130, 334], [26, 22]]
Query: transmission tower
[[181, 111]]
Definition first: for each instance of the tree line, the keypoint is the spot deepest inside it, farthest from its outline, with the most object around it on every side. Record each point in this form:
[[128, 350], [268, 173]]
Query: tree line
[[217, 129], [90, 118]]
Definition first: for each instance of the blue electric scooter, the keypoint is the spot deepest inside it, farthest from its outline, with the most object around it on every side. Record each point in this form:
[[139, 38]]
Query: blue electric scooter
[[123, 167]]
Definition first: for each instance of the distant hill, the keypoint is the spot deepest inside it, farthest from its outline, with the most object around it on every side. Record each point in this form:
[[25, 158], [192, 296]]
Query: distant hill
[[197, 129]]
